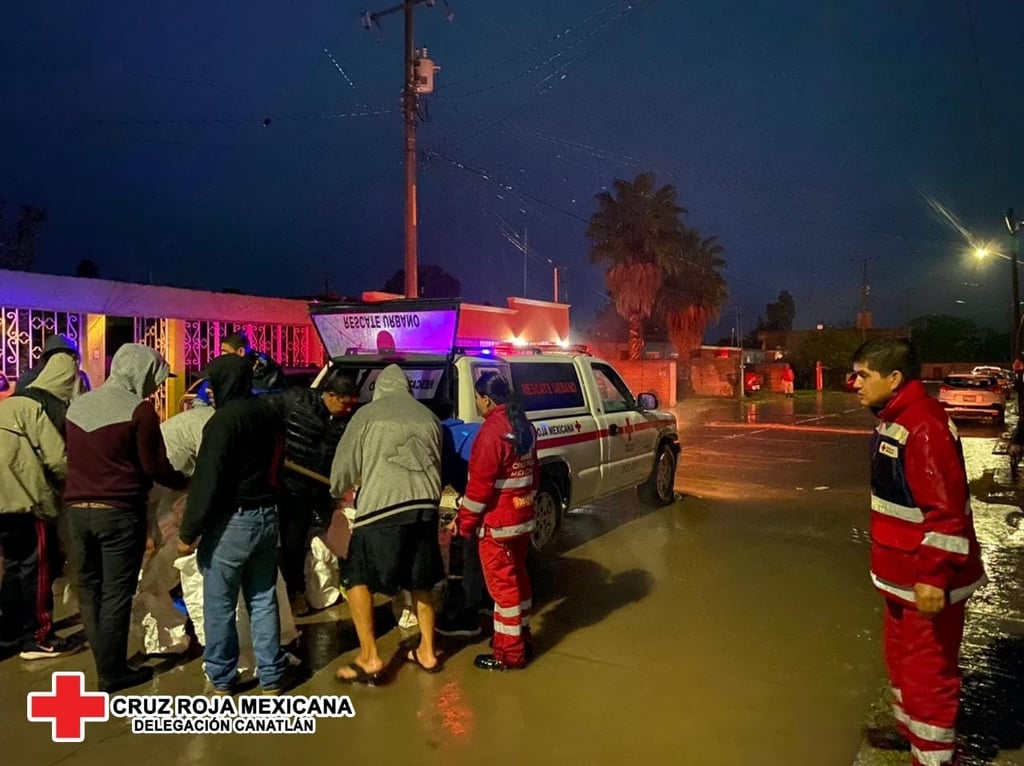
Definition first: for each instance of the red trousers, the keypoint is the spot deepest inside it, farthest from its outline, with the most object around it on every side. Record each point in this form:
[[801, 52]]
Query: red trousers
[[923, 659], [504, 564]]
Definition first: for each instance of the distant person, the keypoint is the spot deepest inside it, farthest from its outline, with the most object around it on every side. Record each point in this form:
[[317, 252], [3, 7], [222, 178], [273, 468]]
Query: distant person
[[314, 420], [504, 474], [788, 379], [267, 375], [115, 454], [391, 450], [231, 513], [33, 464], [925, 559]]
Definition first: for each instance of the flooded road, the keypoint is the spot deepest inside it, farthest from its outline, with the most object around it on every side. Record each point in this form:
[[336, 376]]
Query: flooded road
[[736, 626]]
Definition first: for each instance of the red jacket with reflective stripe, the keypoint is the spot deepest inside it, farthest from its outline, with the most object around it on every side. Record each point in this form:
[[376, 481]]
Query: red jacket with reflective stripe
[[922, 530], [501, 485]]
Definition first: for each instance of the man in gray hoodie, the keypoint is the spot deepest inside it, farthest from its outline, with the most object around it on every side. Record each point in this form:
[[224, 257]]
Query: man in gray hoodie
[[391, 450], [33, 462]]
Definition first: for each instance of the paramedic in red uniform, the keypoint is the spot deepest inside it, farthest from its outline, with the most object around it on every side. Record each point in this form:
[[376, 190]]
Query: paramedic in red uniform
[[498, 508], [925, 559]]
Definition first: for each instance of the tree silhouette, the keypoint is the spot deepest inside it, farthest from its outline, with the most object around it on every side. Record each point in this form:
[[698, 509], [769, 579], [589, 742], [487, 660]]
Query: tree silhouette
[[87, 269], [434, 282]]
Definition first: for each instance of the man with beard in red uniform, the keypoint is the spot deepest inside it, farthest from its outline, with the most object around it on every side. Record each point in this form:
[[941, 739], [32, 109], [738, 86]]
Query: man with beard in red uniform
[[498, 508], [925, 559]]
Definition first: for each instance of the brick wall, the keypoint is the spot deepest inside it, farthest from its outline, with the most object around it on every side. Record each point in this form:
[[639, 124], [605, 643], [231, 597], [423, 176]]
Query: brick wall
[[713, 377], [656, 375]]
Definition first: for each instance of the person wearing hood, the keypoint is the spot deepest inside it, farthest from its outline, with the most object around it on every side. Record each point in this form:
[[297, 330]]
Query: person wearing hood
[[183, 433], [115, 454], [54, 383], [391, 449], [232, 512], [56, 346], [33, 462]]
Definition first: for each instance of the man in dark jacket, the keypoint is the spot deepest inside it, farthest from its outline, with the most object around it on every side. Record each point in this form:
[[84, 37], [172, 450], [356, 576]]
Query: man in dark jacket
[[267, 375], [232, 506], [314, 421]]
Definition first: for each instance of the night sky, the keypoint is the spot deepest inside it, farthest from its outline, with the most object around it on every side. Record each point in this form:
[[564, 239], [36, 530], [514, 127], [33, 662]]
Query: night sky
[[806, 135]]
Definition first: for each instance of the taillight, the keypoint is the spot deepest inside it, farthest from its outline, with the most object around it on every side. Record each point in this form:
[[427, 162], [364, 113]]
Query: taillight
[[945, 389]]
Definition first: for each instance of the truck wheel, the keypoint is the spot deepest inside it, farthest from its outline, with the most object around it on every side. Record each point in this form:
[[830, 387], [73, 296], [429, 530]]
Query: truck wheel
[[659, 489], [547, 510]]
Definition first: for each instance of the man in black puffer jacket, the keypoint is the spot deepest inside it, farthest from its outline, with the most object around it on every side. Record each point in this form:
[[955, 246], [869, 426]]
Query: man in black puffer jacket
[[314, 421]]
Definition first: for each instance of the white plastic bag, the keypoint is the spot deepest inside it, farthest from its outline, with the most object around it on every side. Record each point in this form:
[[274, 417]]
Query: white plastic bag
[[323, 580], [156, 626], [192, 593]]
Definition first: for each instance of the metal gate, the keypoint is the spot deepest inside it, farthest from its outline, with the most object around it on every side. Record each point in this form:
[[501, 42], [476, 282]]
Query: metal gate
[[152, 332], [24, 331]]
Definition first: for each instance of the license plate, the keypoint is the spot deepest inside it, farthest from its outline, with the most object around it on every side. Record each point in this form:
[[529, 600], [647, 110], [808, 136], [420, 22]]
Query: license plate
[[970, 398]]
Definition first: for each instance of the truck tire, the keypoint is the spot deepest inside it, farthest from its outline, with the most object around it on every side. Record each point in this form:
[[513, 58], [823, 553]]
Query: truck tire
[[659, 489], [547, 506]]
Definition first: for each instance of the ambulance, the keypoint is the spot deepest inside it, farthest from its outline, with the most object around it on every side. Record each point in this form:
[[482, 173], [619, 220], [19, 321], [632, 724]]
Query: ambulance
[[595, 437]]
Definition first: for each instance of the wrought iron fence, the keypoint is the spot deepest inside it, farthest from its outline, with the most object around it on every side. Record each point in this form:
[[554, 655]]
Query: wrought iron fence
[[24, 331], [288, 345]]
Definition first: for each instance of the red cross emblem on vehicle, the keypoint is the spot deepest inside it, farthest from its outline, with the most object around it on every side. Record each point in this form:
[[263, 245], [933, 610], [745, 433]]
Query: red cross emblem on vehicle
[[579, 426], [67, 706], [628, 430]]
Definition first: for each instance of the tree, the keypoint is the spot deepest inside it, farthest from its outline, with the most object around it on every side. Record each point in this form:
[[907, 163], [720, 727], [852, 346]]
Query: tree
[[434, 282], [608, 325], [693, 290], [943, 338], [20, 254], [780, 314], [87, 269], [636, 232], [833, 348]]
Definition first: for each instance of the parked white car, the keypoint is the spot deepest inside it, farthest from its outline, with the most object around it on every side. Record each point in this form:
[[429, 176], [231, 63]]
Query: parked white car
[[973, 396]]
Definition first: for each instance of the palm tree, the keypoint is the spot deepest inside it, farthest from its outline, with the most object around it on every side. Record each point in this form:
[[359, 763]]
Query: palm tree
[[693, 290], [637, 232]]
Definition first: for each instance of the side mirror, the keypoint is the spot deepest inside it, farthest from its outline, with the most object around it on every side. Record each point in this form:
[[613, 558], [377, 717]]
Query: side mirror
[[647, 401]]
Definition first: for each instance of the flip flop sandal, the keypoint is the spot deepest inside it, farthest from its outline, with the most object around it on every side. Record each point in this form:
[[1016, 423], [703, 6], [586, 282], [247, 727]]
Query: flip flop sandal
[[361, 675], [412, 657]]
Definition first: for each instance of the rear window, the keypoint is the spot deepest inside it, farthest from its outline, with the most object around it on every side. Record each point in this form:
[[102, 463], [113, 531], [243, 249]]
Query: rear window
[[548, 386], [972, 382]]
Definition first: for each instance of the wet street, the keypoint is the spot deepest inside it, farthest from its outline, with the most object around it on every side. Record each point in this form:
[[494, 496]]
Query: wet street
[[736, 626]]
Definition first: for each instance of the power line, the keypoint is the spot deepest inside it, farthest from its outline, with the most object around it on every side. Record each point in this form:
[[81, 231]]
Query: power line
[[537, 46]]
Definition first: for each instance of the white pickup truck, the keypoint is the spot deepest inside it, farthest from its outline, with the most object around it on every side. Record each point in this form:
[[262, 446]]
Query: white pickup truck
[[595, 438]]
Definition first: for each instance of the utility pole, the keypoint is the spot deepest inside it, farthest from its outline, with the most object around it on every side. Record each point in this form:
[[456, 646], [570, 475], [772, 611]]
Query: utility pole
[[556, 284], [526, 250], [410, 113], [419, 79], [1013, 226], [864, 322]]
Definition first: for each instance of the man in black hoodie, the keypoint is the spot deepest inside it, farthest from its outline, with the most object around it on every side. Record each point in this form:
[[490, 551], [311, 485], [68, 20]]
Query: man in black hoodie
[[232, 506]]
